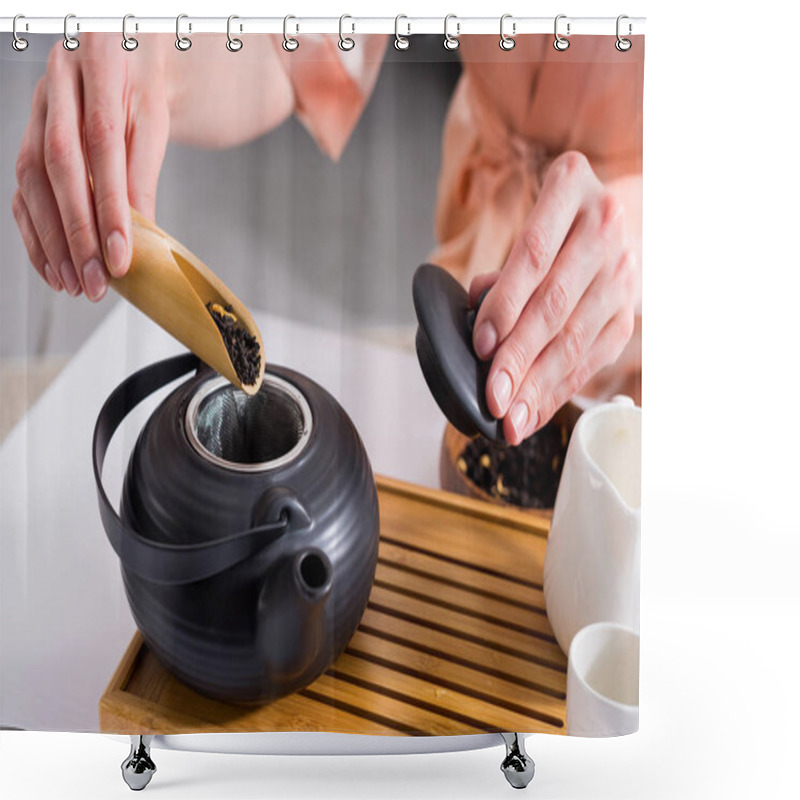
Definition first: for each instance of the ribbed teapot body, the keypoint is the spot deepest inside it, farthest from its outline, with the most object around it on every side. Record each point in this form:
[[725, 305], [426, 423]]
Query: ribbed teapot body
[[211, 463]]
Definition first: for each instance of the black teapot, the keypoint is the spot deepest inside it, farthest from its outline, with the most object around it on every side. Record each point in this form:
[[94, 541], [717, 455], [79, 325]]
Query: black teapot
[[248, 527]]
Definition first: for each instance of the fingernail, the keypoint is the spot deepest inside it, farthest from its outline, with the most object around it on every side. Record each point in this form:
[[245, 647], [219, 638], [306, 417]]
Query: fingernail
[[519, 418], [51, 277], [94, 279], [502, 390], [70, 278], [116, 252], [485, 339]]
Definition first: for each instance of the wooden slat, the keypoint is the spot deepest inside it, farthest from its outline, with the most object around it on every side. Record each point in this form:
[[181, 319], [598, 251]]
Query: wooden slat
[[499, 690], [449, 668], [149, 679], [479, 631], [122, 712], [455, 640], [161, 708], [551, 675], [506, 516], [478, 581], [382, 703], [477, 541], [430, 590], [127, 666], [292, 713], [463, 708]]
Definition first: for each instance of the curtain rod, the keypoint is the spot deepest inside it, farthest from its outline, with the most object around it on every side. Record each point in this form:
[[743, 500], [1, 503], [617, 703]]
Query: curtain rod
[[513, 26]]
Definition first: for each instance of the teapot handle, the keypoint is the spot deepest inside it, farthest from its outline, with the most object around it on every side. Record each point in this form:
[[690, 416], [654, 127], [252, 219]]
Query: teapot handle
[[161, 562]]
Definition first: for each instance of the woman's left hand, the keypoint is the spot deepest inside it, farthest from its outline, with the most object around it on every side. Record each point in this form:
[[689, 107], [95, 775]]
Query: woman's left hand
[[563, 305]]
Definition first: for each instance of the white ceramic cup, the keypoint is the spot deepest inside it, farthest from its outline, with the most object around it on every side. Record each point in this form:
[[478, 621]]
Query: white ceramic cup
[[603, 681]]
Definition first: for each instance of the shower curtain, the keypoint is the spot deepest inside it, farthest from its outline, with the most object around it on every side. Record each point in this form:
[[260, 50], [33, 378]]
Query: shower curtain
[[313, 180]]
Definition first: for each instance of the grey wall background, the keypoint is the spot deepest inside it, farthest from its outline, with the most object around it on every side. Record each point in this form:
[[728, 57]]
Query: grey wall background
[[288, 230]]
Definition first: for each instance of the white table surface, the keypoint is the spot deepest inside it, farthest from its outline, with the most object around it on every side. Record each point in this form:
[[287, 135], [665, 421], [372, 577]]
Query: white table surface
[[64, 619]]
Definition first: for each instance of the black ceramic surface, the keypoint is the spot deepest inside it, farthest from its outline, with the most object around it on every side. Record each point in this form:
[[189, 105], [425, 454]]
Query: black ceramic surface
[[454, 373], [246, 585]]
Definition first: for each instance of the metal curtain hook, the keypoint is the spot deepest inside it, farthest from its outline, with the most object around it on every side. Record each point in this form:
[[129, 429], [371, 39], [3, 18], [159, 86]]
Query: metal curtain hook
[[182, 42], [560, 42], [345, 42], [18, 43], [233, 44], [451, 42], [623, 45], [401, 42], [289, 44], [129, 43], [506, 42], [70, 42]]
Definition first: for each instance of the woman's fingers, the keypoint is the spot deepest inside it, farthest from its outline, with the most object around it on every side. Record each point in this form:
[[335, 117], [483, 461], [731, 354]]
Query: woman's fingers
[[94, 146], [40, 203], [480, 283], [592, 244], [147, 147], [104, 132], [535, 250], [592, 338], [604, 351], [66, 169], [560, 287], [31, 241]]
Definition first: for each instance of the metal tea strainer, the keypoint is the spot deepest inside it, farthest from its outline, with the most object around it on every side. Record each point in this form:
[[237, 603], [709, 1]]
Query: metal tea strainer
[[248, 433]]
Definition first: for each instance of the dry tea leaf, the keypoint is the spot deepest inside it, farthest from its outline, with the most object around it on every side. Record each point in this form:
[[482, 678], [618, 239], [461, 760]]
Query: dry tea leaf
[[242, 347], [530, 472]]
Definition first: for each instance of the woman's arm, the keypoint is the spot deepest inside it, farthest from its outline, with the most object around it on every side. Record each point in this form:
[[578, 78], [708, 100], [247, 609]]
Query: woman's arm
[[221, 99]]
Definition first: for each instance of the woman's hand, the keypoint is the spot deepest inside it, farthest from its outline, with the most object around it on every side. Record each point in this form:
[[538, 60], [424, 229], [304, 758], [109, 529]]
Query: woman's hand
[[563, 305], [102, 112]]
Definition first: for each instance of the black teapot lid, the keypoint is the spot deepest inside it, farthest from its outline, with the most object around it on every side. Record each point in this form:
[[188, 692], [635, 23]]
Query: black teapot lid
[[454, 373]]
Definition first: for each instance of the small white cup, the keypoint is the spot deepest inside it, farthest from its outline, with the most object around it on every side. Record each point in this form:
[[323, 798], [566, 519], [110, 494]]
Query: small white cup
[[603, 681]]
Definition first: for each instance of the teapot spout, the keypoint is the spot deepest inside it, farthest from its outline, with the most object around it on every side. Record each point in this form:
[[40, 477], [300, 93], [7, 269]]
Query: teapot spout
[[291, 635]]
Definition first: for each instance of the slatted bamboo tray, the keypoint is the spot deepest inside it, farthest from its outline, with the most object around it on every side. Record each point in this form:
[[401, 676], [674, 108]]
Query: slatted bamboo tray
[[455, 639]]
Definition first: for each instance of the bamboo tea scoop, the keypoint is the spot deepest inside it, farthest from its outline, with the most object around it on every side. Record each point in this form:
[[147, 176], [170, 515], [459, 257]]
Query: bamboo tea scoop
[[172, 286]]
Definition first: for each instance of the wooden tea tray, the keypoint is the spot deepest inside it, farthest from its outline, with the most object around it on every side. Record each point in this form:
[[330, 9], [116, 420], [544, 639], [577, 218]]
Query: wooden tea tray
[[455, 639]]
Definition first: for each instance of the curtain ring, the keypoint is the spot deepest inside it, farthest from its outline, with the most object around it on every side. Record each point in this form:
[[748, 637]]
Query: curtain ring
[[623, 45], [345, 42], [70, 42], [18, 43], [129, 43], [451, 42], [401, 42], [183, 43], [560, 43], [289, 44], [233, 44], [506, 42]]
